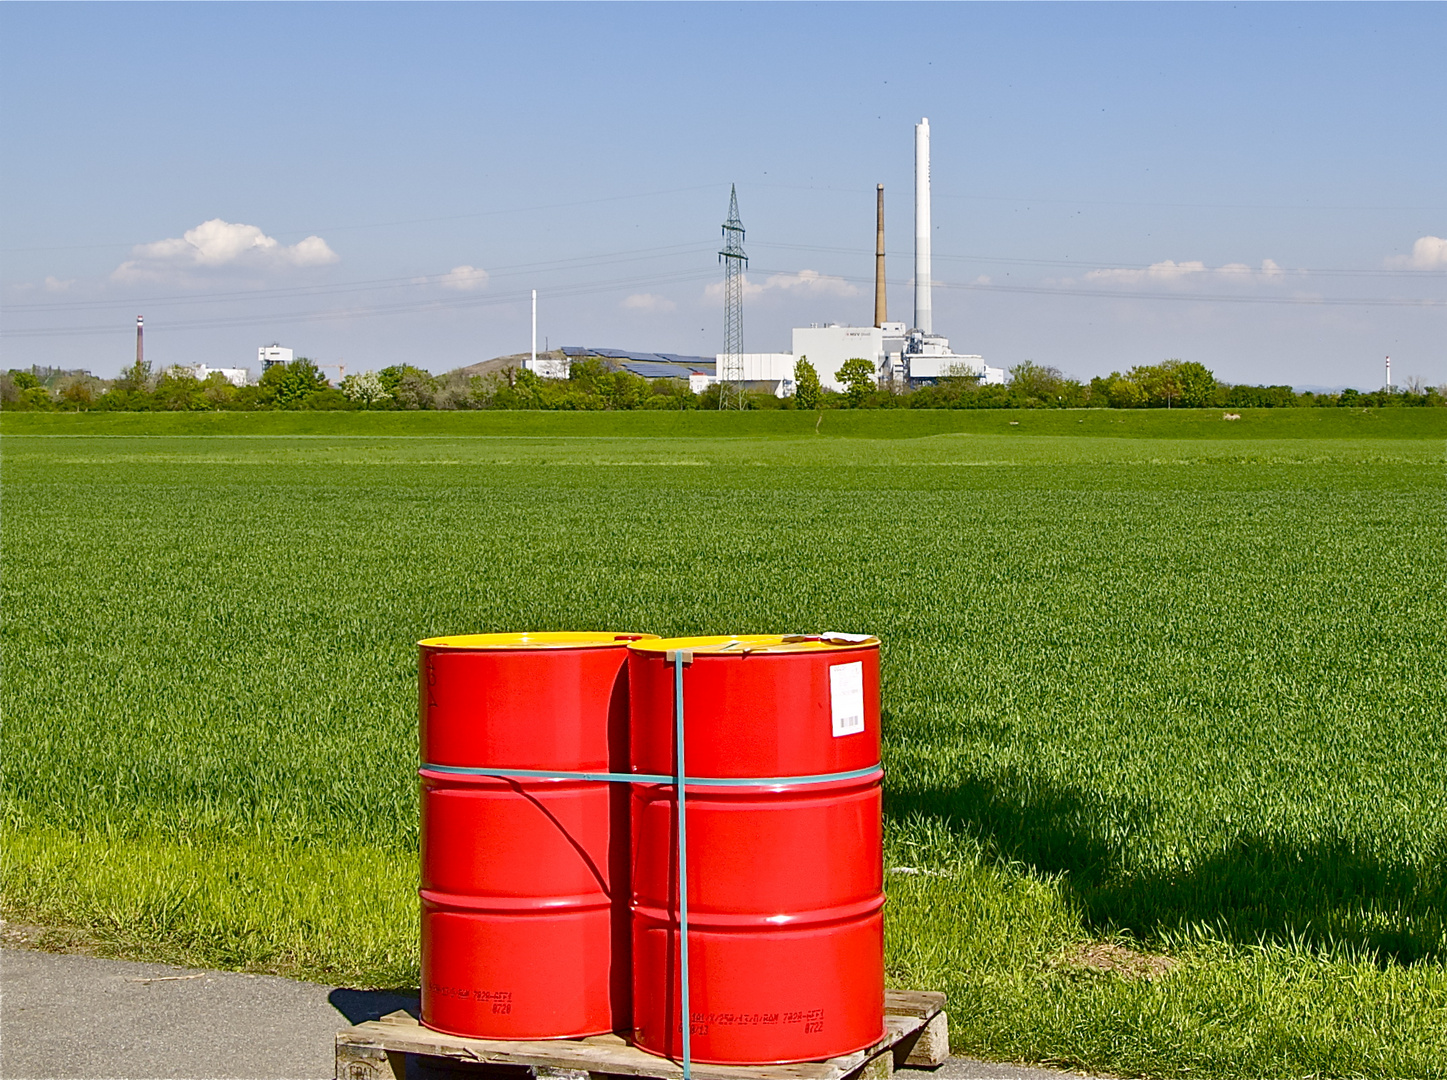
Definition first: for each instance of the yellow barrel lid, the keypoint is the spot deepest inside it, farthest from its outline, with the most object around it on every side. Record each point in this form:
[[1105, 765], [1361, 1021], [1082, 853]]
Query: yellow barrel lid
[[744, 644], [551, 639]]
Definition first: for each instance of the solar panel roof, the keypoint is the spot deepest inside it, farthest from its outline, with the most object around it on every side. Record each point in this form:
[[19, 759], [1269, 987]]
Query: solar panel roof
[[650, 365]]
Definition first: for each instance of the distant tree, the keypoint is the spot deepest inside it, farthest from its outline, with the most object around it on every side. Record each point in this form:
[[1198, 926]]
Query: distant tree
[[1257, 397], [1196, 382], [1098, 392], [483, 390], [21, 390], [1158, 382], [1120, 391], [366, 389], [416, 390], [1175, 383], [289, 385], [525, 390], [79, 392], [219, 391], [708, 397], [412, 387], [807, 390], [135, 379], [11, 392], [858, 377], [37, 397], [670, 394], [327, 399], [178, 390], [1035, 384]]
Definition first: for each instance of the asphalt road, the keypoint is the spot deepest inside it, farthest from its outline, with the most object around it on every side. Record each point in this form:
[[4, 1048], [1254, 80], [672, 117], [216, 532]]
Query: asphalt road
[[83, 1018]]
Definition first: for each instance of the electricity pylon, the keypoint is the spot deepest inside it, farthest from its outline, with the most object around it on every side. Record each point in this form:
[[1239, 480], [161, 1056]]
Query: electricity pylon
[[731, 371]]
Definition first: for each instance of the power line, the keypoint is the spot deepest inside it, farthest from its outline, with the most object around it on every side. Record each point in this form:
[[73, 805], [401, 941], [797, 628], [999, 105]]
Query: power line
[[1105, 202], [225, 321], [1119, 294], [631, 255], [1102, 264], [407, 221], [594, 287], [365, 285]]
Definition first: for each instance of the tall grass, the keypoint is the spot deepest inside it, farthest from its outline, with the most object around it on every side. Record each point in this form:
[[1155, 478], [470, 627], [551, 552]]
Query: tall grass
[[1168, 688]]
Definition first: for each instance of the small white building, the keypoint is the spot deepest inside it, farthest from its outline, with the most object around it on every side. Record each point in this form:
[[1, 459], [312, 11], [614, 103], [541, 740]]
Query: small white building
[[547, 367], [271, 355], [773, 371], [236, 376]]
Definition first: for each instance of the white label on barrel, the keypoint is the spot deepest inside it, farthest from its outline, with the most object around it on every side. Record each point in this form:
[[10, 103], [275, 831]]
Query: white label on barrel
[[846, 698]]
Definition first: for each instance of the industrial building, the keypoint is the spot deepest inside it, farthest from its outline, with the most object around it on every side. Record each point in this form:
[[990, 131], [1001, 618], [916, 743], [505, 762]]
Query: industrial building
[[236, 376], [904, 357], [767, 373], [698, 371], [271, 355]]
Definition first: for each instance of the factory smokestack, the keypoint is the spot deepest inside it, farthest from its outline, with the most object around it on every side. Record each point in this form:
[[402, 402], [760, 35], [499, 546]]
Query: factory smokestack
[[881, 314], [140, 343], [923, 316]]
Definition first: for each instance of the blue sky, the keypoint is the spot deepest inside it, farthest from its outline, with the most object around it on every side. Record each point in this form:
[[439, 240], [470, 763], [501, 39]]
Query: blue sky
[[1261, 188]]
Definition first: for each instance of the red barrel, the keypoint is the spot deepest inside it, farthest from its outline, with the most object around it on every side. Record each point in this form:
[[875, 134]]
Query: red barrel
[[785, 870], [524, 934]]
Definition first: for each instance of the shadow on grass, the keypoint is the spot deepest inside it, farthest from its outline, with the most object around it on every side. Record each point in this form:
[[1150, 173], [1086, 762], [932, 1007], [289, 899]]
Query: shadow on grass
[[1327, 894]]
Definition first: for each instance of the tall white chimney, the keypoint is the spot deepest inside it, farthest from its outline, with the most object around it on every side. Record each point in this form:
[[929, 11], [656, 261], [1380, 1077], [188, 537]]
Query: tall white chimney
[[923, 316]]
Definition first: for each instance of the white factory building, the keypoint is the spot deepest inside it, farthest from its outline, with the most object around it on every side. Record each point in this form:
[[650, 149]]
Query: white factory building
[[236, 376], [269, 355], [900, 357], [903, 356]]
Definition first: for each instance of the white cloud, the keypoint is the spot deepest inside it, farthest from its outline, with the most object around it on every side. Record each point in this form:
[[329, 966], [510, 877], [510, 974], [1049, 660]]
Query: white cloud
[[805, 282], [1171, 272], [463, 279], [56, 285], [218, 244], [1428, 253], [714, 290], [811, 283], [648, 302]]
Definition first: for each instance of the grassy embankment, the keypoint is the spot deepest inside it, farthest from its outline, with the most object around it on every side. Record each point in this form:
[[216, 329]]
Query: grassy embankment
[[1164, 680]]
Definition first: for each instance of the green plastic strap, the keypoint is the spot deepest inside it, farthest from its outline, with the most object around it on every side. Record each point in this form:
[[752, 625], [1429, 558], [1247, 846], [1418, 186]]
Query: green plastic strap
[[654, 778]]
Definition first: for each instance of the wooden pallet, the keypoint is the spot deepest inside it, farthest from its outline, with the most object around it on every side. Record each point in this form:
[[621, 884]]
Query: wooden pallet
[[917, 1035]]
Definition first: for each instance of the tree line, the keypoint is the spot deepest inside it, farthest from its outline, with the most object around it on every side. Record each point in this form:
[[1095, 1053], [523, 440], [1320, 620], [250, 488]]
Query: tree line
[[595, 384]]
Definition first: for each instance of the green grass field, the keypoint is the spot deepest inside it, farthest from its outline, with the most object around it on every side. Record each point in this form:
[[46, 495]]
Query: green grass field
[[1159, 680]]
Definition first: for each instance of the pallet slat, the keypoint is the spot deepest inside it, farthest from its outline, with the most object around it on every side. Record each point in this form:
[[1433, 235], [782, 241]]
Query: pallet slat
[[916, 1034]]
